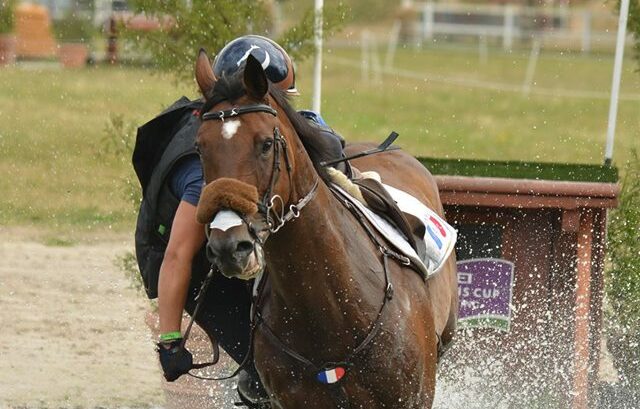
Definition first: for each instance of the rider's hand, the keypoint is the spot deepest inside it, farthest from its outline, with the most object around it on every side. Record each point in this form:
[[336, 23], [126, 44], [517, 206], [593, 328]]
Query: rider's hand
[[175, 360]]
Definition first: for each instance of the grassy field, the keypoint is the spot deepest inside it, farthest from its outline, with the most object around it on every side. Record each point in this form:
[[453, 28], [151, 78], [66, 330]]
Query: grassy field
[[438, 113], [57, 174]]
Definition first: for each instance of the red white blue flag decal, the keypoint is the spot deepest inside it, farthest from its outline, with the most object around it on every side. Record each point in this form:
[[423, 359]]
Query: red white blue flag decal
[[436, 231], [331, 375]]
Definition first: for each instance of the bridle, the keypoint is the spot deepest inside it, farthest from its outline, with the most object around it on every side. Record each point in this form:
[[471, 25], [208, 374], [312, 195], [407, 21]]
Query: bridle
[[273, 220]]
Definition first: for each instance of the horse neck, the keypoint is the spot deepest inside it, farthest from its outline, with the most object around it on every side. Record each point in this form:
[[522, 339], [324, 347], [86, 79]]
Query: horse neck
[[322, 260]]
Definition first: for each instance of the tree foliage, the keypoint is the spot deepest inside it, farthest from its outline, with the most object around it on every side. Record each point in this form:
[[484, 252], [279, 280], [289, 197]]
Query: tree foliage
[[623, 278], [187, 26], [7, 15], [74, 27]]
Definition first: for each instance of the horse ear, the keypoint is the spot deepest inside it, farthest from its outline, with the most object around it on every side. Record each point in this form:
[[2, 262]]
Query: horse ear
[[255, 79], [204, 73]]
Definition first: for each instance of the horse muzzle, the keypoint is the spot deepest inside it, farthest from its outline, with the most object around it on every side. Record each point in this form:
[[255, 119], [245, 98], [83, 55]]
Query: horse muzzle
[[232, 248]]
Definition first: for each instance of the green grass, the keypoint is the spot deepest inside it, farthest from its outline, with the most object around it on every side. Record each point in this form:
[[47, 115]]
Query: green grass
[[522, 170], [56, 173], [52, 123], [438, 119]]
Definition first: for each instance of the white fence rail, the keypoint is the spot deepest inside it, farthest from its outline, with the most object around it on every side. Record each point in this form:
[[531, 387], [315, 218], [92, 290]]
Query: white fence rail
[[565, 27]]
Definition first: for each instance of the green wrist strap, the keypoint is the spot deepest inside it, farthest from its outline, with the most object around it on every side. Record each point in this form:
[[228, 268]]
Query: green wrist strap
[[170, 336]]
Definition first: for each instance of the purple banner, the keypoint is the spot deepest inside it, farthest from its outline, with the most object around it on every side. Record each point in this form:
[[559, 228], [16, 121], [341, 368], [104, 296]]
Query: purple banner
[[485, 288]]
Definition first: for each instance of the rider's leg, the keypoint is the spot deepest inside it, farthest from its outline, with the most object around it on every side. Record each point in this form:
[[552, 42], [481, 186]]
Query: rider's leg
[[224, 313], [225, 316], [335, 143]]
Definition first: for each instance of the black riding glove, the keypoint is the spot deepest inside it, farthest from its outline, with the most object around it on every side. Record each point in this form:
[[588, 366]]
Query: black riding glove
[[175, 360]]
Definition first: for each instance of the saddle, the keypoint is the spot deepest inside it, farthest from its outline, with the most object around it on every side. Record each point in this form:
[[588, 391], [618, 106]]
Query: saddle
[[412, 228], [380, 201]]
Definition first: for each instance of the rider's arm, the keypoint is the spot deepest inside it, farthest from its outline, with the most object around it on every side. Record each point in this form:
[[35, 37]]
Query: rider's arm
[[187, 237]]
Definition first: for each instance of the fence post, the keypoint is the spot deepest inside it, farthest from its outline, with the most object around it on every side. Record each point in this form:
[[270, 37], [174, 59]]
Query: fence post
[[531, 66], [508, 29], [394, 37], [427, 21], [375, 61], [586, 31], [366, 64], [483, 48]]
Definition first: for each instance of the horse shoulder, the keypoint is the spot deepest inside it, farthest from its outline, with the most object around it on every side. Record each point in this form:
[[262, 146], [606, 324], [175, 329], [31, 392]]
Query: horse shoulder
[[403, 171]]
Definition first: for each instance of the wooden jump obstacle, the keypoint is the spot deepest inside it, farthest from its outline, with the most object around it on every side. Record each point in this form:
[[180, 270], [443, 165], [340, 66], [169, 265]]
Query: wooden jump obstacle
[[549, 220]]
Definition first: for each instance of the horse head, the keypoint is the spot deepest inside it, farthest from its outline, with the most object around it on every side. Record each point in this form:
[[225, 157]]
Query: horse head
[[245, 143]]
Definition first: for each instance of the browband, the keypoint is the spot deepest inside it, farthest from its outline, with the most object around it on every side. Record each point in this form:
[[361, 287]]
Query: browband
[[230, 113]]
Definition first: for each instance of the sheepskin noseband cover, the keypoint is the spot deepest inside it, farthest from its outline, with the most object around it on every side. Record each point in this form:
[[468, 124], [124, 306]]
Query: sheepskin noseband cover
[[226, 193]]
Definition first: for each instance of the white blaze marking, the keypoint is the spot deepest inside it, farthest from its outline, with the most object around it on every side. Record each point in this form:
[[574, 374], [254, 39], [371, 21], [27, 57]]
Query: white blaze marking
[[225, 219], [229, 128]]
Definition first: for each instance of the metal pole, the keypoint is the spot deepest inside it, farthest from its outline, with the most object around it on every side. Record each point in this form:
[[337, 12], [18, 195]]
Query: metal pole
[[531, 67], [615, 86], [317, 70]]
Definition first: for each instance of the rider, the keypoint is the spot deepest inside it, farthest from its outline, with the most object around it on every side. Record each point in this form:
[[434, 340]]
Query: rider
[[170, 172]]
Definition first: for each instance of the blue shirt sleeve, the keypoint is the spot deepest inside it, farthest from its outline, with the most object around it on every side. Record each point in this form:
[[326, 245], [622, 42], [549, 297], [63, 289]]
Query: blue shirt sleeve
[[186, 180], [313, 116]]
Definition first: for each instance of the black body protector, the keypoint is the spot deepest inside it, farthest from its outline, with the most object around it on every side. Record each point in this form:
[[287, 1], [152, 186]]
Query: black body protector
[[161, 144]]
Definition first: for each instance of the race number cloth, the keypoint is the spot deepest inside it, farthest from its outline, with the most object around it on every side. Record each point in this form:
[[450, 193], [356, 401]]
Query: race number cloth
[[439, 238]]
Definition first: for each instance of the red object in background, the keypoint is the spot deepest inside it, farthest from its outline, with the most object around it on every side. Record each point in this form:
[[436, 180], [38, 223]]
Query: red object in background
[[7, 49], [112, 41]]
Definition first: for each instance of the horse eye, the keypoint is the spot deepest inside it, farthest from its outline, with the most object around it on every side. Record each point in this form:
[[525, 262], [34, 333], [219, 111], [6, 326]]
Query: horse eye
[[266, 145]]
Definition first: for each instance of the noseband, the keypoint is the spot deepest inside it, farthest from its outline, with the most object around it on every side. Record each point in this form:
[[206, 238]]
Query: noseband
[[273, 220]]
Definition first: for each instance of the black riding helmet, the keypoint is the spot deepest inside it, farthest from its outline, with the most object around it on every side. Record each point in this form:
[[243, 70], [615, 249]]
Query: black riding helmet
[[275, 61]]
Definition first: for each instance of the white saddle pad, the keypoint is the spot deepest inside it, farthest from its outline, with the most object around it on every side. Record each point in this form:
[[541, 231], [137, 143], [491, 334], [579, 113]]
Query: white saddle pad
[[439, 239]]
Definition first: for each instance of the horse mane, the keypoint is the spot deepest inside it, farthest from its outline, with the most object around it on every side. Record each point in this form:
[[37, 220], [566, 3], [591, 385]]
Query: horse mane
[[318, 147], [226, 88]]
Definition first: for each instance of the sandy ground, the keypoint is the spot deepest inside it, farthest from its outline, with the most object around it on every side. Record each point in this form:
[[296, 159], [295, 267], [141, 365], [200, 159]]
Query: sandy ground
[[73, 328], [74, 332]]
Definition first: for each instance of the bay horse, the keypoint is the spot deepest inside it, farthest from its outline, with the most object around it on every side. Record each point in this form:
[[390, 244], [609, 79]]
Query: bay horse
[[328, 332]]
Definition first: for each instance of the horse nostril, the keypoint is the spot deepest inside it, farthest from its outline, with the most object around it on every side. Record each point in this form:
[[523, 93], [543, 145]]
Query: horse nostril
[[244, 247], [211, 256]]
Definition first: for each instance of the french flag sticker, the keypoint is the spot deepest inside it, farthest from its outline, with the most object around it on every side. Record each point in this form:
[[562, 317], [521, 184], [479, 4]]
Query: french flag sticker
[[331, 375], [436, 231]]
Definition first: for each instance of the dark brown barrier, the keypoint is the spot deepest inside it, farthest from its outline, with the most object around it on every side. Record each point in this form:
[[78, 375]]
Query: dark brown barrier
[[554, 232]]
